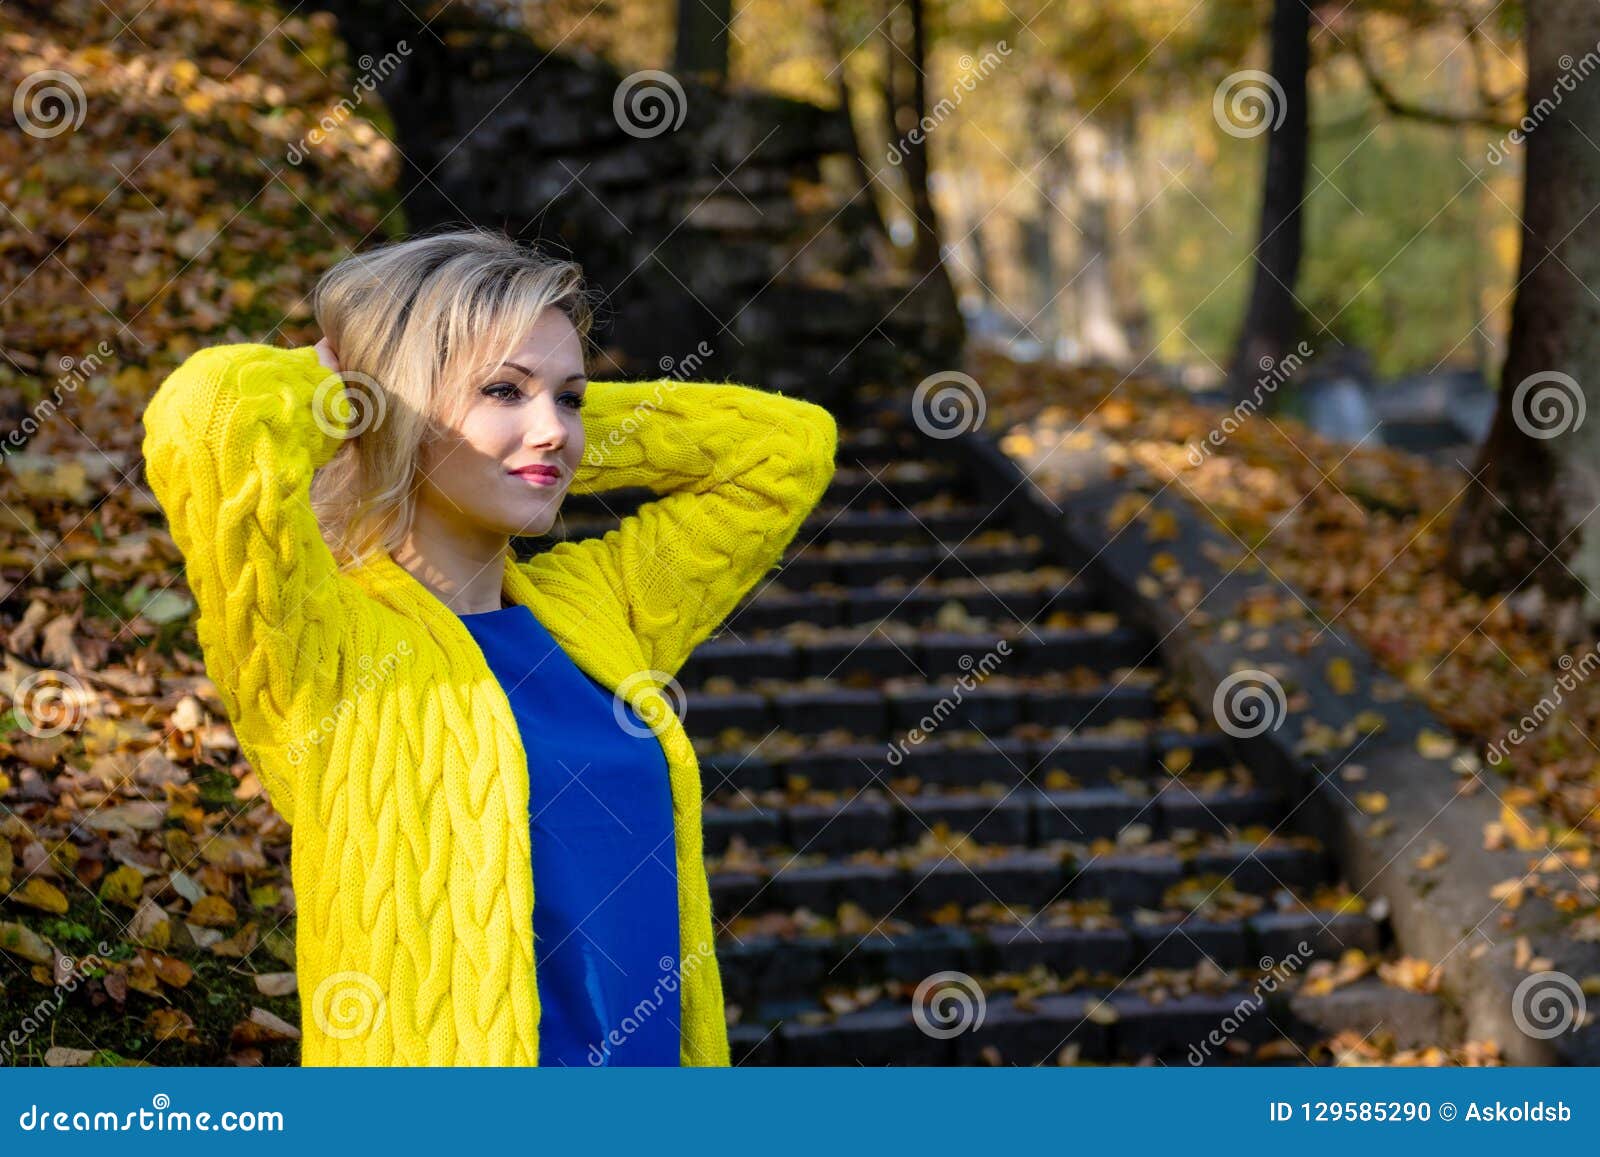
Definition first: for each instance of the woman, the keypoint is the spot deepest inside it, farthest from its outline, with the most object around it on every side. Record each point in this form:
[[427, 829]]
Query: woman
[[449, 731]]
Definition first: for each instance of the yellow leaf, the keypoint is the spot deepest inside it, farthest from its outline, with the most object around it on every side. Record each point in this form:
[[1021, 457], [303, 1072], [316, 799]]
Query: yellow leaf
[[20, 940], [1370, 721], [1435, 854], [43, 895], [1162, 526], [1509, 892], [1164, 563], [1372, 802], [1123, 510], [150, 926], [1341, 676], [172, 1024], [123, 886], [1434, 745], [213, 912], [1102, 1013], [1522, 835]]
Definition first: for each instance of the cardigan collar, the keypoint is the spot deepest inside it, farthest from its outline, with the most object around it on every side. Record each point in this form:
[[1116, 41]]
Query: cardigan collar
[[568, 618]]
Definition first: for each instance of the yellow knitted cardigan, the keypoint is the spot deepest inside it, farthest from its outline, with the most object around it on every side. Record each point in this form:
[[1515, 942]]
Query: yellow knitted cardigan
[[375, 724]]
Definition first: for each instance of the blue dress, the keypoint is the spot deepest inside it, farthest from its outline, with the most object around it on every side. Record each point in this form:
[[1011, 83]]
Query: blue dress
[[605, 897]]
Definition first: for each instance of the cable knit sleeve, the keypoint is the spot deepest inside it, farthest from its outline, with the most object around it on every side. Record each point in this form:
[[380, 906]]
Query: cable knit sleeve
[[737, 470], [231, 439]]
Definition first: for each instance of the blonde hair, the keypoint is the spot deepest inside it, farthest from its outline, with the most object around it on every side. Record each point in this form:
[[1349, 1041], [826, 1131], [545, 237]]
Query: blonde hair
[[413, 322]]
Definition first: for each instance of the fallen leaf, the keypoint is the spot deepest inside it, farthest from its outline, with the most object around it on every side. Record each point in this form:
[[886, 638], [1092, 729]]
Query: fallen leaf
[[19, 940], [41, 894]]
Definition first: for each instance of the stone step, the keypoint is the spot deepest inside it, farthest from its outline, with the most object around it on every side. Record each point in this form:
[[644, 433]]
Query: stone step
[[829, 524], [875, 448], [1025, 815], [1031, 877], [858, 564], [774, 607], [762, 969], [1246, 1023], [1132, 749], [923, 654], [948, 523], [897, 708], [907, 483]]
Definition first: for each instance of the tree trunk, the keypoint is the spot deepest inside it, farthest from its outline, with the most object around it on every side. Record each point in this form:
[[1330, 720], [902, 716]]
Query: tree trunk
[[926, 258], [911, 103], [838, 49], [702, 44], [1101, 337], [1272, 322], [1528, 520]]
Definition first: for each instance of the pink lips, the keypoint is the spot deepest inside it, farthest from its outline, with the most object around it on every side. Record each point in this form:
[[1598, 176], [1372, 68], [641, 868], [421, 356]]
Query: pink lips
[[539, 475]]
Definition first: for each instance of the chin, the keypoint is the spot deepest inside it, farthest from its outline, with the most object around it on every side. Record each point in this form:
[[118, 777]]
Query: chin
[[537, 526]]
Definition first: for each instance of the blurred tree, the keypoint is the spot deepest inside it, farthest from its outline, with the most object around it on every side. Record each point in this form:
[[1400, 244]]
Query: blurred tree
[[1525, 519], [905, 45], [833, 20], [1467, 19], [701, 49], [1272, 320]]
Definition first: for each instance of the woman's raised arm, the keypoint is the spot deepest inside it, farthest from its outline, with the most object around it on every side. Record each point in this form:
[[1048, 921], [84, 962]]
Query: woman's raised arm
[[232, 437], [737, 470]]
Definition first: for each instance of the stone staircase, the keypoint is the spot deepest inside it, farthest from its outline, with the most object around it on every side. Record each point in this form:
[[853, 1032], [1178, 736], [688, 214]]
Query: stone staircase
[[930, 750]]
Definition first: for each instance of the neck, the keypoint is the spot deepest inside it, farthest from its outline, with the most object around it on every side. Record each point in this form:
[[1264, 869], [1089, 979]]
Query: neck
[[463, 568]]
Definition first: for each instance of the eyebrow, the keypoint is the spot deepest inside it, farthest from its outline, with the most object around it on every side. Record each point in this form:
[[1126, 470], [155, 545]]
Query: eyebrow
[[525, 372]]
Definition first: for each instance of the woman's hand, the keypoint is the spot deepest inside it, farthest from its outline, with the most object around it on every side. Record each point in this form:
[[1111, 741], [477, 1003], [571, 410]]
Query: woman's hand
[[326, 356]]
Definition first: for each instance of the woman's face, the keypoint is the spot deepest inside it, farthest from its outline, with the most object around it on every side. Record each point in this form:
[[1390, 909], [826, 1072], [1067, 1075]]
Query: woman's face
[[507, 465]]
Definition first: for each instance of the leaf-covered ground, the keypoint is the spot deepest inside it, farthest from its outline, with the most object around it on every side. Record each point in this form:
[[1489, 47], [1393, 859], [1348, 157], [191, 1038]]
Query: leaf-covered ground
[[1362, 533], [146, 913], [145, 907]]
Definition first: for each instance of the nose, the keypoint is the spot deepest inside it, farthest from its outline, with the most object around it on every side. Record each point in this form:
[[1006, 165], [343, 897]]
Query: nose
[[545, 427]]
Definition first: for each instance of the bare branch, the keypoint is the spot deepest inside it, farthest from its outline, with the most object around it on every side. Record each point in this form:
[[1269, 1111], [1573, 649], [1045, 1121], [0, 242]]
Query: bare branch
[[1482, 118]]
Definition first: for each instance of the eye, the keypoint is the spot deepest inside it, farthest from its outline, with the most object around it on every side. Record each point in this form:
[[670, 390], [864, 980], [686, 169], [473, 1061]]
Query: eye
[[503, 391], [572, 400]]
